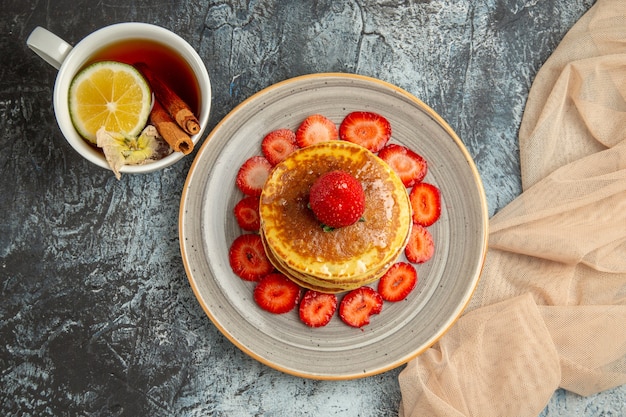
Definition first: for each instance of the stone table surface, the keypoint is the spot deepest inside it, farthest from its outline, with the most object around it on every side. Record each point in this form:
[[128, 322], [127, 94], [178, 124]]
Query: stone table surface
[[96, 314]]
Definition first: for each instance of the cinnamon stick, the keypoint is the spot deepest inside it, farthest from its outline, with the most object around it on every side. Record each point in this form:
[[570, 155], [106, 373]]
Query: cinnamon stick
[[178, 139], [173, 104]]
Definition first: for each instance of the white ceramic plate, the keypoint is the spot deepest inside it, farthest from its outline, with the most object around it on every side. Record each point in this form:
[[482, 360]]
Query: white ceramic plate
[[403, 330]]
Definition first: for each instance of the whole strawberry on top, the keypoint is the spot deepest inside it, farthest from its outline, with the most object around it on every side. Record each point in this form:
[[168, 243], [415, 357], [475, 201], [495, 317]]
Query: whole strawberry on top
[[337, 199]]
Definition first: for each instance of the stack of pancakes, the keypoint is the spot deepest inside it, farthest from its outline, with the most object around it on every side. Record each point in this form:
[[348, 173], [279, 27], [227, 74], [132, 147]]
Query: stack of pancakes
[[344, 258]]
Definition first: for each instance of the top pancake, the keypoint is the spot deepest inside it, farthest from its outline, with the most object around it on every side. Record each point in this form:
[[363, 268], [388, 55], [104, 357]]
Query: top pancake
[[352, 254]]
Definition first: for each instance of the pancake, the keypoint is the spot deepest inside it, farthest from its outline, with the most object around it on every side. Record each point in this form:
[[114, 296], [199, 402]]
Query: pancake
[[346, 257]]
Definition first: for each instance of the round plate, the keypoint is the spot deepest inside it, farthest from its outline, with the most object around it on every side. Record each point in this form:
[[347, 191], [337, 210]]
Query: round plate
[[402, 330]]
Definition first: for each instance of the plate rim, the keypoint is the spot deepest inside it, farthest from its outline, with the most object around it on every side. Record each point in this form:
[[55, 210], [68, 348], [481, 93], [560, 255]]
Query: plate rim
[[394, 363]]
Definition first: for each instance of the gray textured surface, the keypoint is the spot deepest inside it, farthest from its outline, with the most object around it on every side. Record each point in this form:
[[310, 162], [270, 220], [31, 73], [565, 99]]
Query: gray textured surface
[[97, 317]]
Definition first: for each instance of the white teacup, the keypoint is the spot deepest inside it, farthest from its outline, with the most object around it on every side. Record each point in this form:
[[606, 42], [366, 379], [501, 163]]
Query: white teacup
[[69, 60]]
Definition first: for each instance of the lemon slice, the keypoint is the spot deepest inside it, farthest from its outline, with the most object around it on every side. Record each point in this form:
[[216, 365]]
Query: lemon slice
[[112, 95]]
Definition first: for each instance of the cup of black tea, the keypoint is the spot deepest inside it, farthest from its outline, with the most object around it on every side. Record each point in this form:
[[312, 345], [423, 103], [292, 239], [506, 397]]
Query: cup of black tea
[[176, 75]]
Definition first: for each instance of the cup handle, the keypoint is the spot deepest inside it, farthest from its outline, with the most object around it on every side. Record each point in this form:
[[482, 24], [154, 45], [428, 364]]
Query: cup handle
[[48, 46]]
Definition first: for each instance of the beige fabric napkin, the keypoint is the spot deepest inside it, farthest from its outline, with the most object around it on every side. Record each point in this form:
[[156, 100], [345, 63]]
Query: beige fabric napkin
[[550, 309]]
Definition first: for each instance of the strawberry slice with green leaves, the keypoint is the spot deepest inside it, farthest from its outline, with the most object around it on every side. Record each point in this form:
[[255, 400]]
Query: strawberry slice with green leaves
[[317, 308], [252, 175], [398, 282], [368, 129], [426, 203], [359, 305], [276, 293], [410, 166], [421, 246], [278, 145], [315, 129], [247, 258], [247, 213], [337, 199]]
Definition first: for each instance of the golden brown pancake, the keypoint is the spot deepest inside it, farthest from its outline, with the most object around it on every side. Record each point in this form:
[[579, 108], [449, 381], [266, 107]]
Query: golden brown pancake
[[346, 257]]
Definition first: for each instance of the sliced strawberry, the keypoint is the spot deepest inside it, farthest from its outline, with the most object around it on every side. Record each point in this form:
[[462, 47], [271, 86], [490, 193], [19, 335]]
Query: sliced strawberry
[[337, 199], [421, 245], [248, 259], [276, 293], [253, 174], [397, 282], [314, 129], [247, 213], [278, 144], [410, 166], [317, 308], [359, 305], [426, 203], [370, 130]]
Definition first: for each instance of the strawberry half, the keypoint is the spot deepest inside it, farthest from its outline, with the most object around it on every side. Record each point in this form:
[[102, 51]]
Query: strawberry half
[[247, 213], [248, 259], [359, 305], [370, 130], [337, 199], [421, 246], [278, 144], [252, 175], [314, 129], [276, 293], [397, 282], [317, 308], [426, 203], [410, 166]]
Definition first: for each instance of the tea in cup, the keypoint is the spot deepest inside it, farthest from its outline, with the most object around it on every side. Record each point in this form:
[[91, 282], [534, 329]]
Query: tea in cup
[[170, 66]]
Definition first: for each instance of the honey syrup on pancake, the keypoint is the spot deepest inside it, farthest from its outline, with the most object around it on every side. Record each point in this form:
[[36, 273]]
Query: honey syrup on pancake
[[296, 237]]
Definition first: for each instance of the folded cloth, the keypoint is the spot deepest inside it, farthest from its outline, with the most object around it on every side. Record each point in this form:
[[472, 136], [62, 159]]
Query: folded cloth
[[550, 309]]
